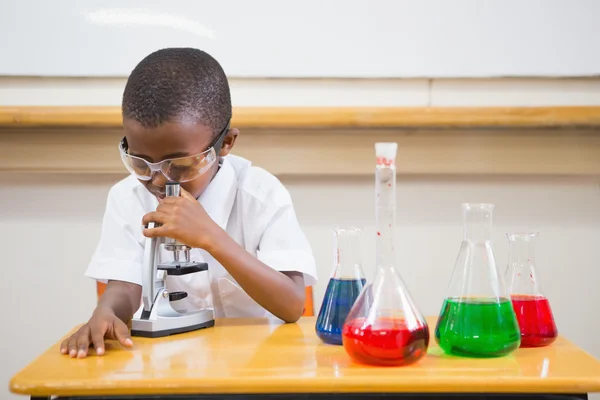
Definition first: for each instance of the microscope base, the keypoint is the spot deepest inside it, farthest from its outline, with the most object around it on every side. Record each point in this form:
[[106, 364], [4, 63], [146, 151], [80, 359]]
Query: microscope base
[[173, 331], [163, 320]]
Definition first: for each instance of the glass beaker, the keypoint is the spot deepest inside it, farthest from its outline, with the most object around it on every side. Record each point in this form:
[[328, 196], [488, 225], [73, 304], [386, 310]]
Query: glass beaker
[[345, 284], [532, 308], [384, 326], [477, 318]]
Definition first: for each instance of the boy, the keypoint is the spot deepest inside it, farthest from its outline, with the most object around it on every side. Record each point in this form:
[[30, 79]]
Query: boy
[[236, 217]]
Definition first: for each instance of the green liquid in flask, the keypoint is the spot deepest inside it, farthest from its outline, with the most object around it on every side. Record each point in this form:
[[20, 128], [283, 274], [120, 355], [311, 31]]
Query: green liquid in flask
[[478, 327]]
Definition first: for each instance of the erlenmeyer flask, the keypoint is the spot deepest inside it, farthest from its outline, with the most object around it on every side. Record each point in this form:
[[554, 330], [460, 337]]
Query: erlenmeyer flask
[[532, 308], [384, 326], [477, 317], [345, 284]]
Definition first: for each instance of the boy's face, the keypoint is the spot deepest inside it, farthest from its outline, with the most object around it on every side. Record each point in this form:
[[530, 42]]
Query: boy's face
[[173, 140]]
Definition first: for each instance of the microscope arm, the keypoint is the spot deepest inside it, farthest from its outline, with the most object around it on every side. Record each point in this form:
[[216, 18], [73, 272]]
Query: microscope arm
[[151, 284]]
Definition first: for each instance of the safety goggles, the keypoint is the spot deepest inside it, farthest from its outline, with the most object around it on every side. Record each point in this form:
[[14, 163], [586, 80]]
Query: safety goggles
[[181, 169]]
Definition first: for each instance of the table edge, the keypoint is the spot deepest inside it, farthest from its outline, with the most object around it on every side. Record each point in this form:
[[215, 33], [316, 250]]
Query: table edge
[[320, 385]]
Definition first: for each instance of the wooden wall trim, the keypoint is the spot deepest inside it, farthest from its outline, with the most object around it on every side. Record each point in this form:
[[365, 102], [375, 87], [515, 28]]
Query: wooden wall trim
[[327, 117], [335, 152], [330, 141]]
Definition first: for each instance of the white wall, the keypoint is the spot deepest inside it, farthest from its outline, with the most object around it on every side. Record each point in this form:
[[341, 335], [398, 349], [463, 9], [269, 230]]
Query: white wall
[[312, 38], [49, 224]]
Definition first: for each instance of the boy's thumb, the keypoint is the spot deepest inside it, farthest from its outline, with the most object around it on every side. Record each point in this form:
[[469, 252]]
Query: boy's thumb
[[185, 194]]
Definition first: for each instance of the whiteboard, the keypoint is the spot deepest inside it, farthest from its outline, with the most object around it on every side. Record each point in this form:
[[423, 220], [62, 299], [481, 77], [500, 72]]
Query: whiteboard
[[309, 38]]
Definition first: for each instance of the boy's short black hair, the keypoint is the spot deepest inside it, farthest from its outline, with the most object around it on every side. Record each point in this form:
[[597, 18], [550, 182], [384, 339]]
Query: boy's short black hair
[[178, 83]]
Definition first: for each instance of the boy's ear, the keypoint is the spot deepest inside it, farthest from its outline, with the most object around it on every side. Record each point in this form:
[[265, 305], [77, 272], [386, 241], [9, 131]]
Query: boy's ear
[[229, 141]]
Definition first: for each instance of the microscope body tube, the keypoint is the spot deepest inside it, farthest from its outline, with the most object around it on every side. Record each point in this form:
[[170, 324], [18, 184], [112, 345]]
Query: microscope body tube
[[174, 189]]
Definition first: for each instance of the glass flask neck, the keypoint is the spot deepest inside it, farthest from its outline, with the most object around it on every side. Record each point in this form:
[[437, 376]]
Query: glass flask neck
[[477, 219], [521, 271], [347, 254], [522, 248], [476, 274]]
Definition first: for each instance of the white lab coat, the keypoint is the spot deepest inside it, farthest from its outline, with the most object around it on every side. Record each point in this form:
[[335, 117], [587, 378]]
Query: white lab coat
[[249, 203]]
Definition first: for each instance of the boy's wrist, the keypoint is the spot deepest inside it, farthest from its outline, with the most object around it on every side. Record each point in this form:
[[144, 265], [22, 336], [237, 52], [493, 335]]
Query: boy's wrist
[[103, 309], [216, 238]]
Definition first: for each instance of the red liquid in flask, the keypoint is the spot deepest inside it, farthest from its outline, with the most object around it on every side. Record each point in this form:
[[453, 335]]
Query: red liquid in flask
[[535, 320], [388, 342]]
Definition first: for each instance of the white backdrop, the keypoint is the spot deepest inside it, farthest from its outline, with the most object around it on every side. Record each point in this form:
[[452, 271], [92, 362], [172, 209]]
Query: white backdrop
[[309, 38]]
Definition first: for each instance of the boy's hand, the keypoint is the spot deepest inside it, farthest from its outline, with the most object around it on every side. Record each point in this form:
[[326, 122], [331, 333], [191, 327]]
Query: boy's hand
[[181, 218], [104, 324]]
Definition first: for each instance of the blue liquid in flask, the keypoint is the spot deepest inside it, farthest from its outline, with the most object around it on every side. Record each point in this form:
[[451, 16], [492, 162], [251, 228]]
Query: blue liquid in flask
[[337, 303], [345, 284]]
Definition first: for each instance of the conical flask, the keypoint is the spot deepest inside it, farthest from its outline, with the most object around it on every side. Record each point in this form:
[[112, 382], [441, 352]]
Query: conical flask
[[384, 326], [532, 308], [477, 317], [345, 284]]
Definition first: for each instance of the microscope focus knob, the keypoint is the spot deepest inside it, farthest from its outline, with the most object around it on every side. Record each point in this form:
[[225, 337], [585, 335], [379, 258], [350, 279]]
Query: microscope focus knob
[[174, 296]]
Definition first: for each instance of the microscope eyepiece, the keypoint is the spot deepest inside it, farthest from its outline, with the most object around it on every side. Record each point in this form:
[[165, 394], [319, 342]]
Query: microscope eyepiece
[[172, 189]]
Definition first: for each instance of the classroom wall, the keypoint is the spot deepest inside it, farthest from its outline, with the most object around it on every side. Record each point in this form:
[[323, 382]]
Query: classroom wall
[[50, 224], [312, 38]]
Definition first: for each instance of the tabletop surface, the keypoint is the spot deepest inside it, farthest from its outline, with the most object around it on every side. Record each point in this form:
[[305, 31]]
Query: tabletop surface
[[262, 356]]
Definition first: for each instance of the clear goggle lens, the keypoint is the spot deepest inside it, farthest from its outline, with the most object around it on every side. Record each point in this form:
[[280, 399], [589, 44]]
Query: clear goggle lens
[[180, 169]]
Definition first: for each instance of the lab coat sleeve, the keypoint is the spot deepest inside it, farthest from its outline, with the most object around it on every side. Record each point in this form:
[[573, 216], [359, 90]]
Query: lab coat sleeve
[[283, 246], [119, 253]]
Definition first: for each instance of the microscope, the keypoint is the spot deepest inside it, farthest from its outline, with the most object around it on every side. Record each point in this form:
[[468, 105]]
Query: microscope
[[156, 317]]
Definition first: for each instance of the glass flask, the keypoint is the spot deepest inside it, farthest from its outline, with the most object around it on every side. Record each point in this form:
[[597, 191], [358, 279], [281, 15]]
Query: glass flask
[[384, 326], [532, 308], [345, 284], [477, 318]]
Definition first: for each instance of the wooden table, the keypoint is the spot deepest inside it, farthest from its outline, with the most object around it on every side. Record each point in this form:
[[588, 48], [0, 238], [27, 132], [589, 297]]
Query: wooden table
[[255, 357]]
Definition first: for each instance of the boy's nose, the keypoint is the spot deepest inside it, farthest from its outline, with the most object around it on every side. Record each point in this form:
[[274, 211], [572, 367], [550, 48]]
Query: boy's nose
[[158, 179]]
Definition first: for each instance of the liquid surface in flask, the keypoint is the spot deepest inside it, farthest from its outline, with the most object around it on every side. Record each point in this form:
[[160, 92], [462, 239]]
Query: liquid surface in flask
[[477, 327], [345, 284], [477, 318], [532, 308], [384, 326]]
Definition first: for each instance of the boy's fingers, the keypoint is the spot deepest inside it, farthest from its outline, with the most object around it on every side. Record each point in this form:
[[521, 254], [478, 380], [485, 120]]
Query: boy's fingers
[[83, 344], [165, 208], [64, 346], [169, 200], [122, 333], [186, 195], [155, 232], [154, 216], [72, 345], [98, 340], [73, 340]]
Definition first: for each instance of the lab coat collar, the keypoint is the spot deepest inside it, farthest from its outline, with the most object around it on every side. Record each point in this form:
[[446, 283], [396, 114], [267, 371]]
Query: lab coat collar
[[218, 198]]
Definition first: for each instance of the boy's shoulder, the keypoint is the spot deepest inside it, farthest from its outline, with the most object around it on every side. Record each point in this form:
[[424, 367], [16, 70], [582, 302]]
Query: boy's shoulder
[[129, 196], [257, 183], [126, 187]]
